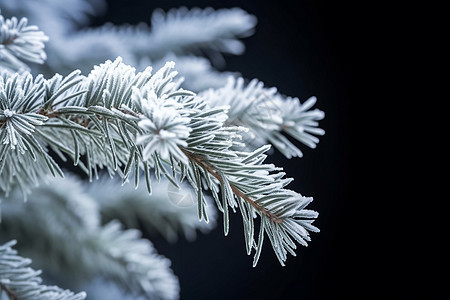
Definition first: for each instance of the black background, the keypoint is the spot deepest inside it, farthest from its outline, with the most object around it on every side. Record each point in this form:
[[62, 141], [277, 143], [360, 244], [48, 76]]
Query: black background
[[303, 48]]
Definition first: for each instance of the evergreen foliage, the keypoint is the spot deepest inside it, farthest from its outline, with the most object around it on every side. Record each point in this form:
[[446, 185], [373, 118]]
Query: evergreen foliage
[[19, 281], [146, 129]]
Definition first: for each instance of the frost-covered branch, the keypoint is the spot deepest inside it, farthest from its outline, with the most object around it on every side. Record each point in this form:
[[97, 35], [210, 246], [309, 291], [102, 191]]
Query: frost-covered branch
[[130, 122], [20, 42], [139, 127], [255, 189], [18, 281], [56, 18], [268, 115], [179, 32], [53, 224], [212, 30], [133, 261]]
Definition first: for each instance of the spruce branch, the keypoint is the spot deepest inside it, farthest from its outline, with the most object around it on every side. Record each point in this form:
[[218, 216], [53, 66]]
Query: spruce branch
[[54, 223], [20, 42], [213, 30], [55, 17], [268, 114], [143, 127], [179, 31], [147, 122], [248, 185], [20, 282], [241, 176], [133, 261]]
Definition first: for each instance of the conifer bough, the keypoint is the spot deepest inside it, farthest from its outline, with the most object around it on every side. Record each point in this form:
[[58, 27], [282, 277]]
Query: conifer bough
[[133, 123], [141, 127]]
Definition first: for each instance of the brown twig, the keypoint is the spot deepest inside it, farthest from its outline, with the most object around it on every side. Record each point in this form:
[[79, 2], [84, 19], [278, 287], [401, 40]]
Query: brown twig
[[200, 160], [8, 292], [10, 41], [49, 114]]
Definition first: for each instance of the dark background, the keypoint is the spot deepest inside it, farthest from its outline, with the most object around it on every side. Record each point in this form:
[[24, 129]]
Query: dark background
[[303, 48]]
